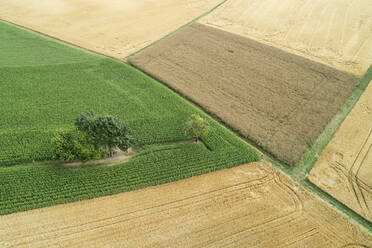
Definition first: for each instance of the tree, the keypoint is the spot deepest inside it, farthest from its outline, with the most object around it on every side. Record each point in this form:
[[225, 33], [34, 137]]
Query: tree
[[64, 145], [196, 126], [107, 132], [70, 145]]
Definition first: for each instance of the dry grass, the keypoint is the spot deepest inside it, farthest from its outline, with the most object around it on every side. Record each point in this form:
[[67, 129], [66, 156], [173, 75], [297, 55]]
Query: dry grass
[[344, 169], [249, 205], [280, 101]]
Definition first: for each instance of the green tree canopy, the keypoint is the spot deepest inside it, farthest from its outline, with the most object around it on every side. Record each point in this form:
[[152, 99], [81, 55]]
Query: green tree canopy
[[107, 132], [196, 126]]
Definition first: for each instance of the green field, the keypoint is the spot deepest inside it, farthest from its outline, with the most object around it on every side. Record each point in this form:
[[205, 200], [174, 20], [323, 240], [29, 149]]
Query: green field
[[44, 85]]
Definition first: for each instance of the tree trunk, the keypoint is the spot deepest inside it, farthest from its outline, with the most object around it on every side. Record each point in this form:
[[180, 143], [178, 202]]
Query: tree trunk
[[110, 152]]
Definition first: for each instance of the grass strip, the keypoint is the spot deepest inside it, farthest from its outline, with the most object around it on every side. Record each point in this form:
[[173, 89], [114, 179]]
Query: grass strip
[[309, 159], [300, 172]]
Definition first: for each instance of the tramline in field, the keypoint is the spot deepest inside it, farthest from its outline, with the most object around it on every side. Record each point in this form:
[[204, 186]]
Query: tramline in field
[[285, 76]]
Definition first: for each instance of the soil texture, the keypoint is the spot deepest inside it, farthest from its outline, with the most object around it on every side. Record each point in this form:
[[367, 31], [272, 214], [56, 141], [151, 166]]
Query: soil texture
[[278, 100]]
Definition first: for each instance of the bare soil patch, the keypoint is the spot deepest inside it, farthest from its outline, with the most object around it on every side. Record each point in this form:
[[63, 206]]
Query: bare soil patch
[[335, 32], [279, 100], [247, 206], [119, 157], [113, 27], [344, 169]]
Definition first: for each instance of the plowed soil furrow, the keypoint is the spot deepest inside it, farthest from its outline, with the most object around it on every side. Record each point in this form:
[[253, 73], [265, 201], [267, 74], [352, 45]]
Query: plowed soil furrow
[[249, 205], [280, 101]]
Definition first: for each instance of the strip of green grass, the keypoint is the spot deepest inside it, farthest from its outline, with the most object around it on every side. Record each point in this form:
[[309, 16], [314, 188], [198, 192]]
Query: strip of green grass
[[309, 159], [300, 172], [41, 92]]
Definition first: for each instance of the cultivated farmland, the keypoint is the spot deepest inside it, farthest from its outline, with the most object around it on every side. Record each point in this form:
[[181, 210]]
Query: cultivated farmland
[[334, 32], [344, 169], [112, 27], [45, 85], [246, 206], [278, 100], [274, 72]]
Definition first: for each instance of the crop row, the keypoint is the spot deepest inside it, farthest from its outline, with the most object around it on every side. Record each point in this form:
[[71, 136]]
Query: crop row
[[37, 101], [25, 187], [45, 85]]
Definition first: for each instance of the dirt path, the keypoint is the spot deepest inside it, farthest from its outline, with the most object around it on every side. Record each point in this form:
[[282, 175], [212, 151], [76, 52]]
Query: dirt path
[[115, 28], [344, 169], [335, 32], [249, 205]]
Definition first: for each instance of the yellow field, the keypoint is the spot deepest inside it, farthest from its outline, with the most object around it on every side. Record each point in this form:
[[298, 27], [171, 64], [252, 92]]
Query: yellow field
[[335, 32], [247, 206], [113, 27], [344, 169]]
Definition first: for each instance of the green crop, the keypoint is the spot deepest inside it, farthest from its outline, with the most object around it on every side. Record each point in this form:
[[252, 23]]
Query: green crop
[[26, 187], [44, 85]]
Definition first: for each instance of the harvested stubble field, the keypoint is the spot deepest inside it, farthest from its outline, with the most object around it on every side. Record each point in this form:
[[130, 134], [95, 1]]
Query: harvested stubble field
[[247, 206], [115, 28], [344, 169], [335, 32], [44, 85], [278, 100]]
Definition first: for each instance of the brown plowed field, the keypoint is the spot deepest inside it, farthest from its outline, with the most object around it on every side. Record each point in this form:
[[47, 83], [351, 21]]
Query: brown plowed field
[[247, 206], [115, 28], [344, 169], [335, 32], [279, 100]]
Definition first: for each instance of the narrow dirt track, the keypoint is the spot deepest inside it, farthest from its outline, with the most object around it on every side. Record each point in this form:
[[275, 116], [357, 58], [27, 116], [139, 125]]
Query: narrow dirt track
[[344, 169], [335, 32], [249, 206], [115, 28]]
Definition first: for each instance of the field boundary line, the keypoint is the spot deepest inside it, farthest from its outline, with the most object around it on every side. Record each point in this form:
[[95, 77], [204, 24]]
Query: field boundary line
[[205, 196], [286, 167], [299, 172], [339, 206], [213, 116], [73, 45], [310, 157], [127, 58], [58, 40]]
